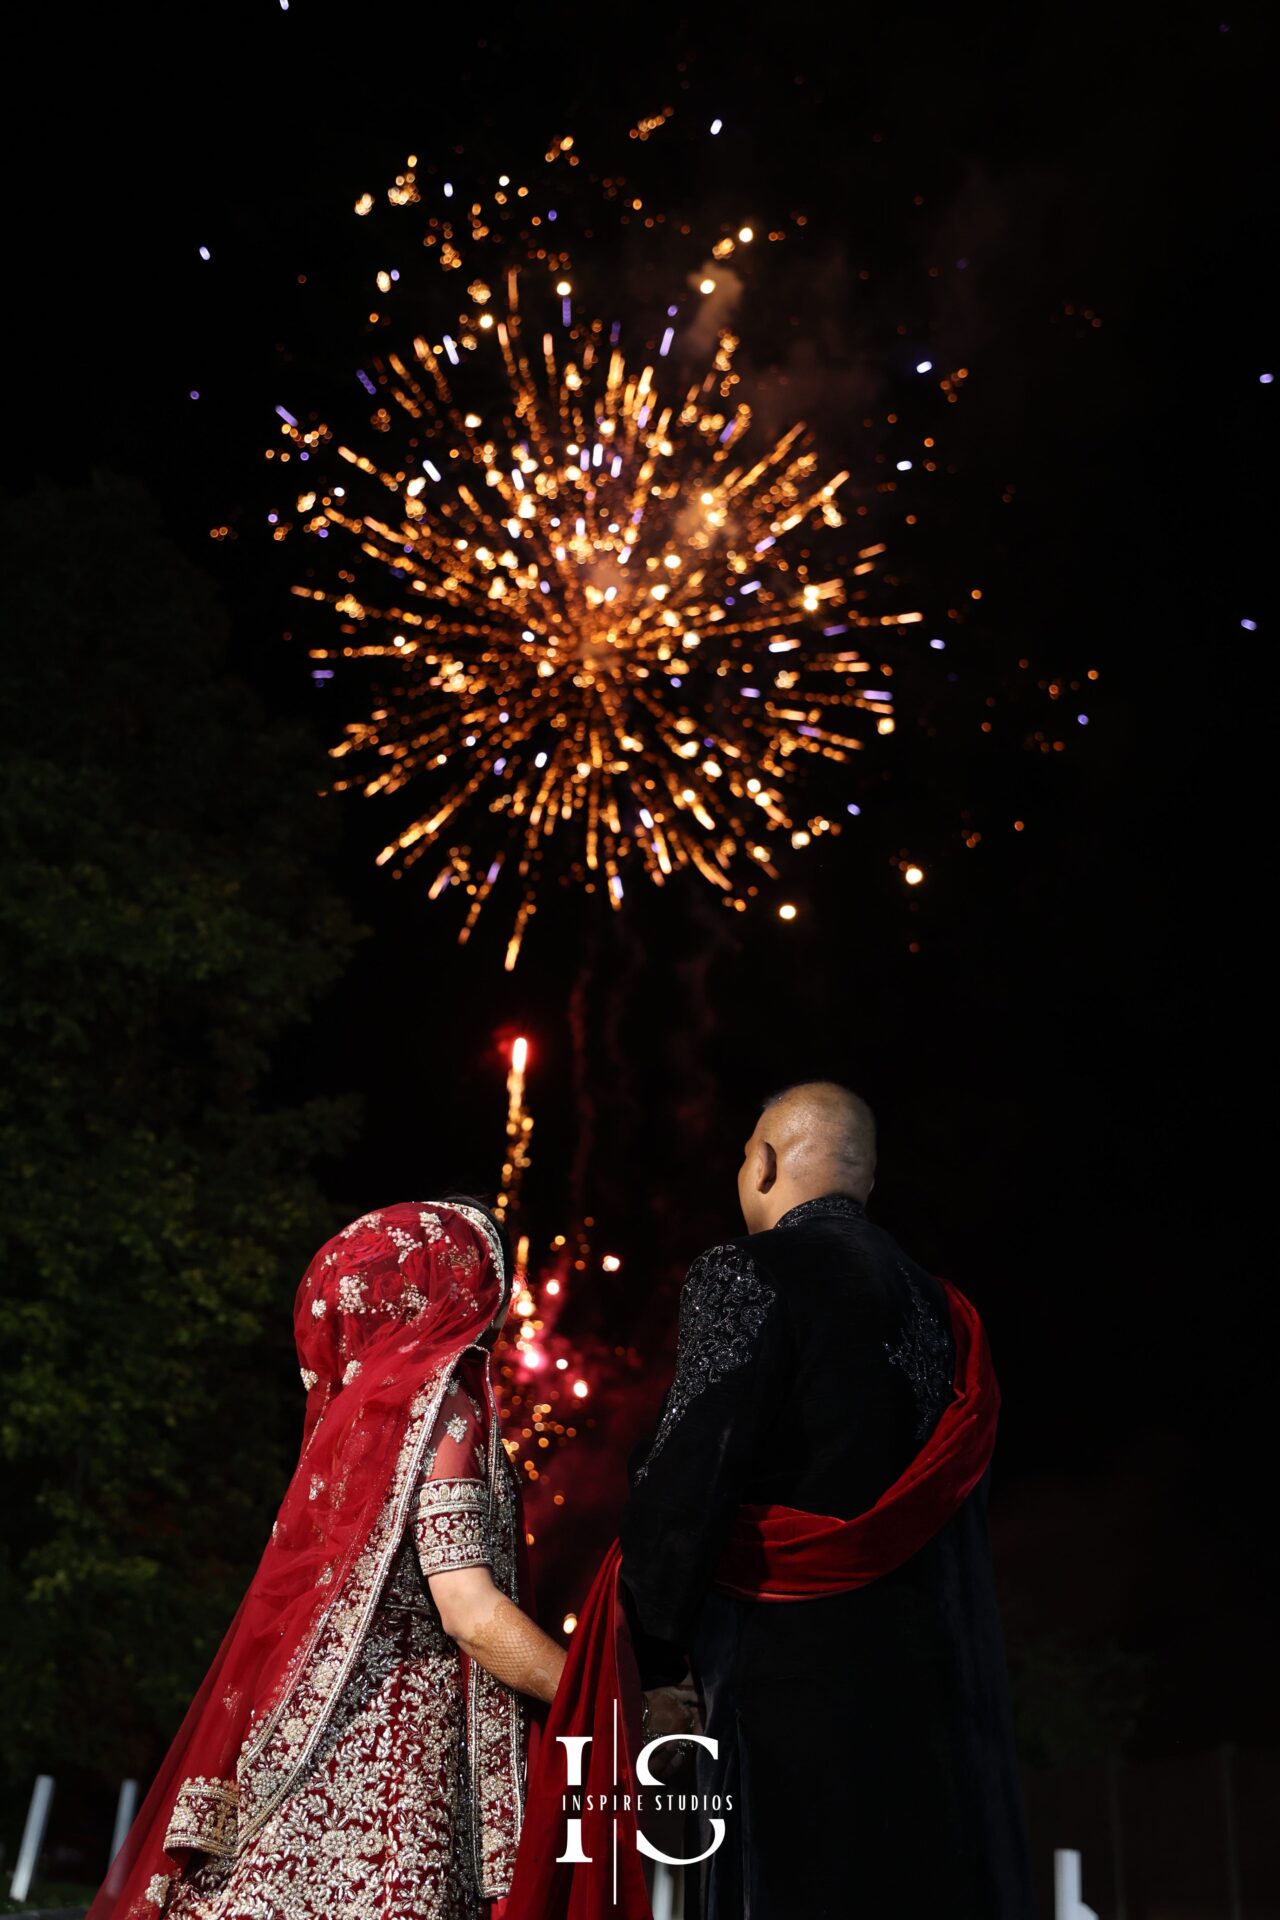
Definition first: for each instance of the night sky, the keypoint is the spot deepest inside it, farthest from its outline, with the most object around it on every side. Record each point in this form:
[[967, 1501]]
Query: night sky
[[1052, 1028]]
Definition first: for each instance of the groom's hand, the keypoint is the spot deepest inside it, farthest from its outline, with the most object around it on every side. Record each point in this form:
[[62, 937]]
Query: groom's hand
[[672, 1710]]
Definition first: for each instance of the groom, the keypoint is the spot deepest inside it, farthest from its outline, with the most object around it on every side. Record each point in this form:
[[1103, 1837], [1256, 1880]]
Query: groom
[[860, 1709]]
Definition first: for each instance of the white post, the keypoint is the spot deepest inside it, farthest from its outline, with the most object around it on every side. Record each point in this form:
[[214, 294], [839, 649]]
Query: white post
[[1067, 1901], [126, 1807], [667, 1895], [32, 1836]]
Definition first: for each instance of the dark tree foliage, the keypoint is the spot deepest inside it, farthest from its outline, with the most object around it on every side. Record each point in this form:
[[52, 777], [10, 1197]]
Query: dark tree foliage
[[166, 929]]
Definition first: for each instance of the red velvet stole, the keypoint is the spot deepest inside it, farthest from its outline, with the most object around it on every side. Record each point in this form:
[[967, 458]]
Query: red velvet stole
[[598, 1698], [782, 1553]]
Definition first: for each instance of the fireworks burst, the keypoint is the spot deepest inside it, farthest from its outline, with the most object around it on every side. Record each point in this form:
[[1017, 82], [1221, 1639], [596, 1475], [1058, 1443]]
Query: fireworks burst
[[610, 633]]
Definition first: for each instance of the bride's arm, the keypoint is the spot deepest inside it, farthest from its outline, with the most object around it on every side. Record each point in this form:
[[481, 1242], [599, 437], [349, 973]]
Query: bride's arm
[[492, 1630]]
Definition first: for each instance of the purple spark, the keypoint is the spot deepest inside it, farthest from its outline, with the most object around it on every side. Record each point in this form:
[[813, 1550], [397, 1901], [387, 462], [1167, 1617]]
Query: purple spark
[[286, 416]]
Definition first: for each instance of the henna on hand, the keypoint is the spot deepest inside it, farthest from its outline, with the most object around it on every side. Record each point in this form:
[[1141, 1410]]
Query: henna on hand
[[493, 1631]]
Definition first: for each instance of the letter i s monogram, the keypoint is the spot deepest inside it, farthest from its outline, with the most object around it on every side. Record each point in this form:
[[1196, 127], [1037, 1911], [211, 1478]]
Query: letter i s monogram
[[575, 1746]]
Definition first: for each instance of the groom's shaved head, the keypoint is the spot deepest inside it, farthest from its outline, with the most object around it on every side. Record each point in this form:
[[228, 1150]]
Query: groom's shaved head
[[810, 1140], [823, 1130]]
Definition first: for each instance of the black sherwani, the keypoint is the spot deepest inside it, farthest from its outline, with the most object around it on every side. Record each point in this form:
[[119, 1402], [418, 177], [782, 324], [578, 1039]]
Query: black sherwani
[[865, 1736]]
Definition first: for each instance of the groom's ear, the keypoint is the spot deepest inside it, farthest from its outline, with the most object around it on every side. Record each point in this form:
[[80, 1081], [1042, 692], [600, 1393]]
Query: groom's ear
[[766, 1167]]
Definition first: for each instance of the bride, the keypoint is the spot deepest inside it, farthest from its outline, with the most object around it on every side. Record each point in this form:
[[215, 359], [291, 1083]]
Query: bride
[[343, 1757]]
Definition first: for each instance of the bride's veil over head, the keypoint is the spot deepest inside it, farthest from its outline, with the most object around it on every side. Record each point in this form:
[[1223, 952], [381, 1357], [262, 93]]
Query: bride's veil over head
[[384, 1313]]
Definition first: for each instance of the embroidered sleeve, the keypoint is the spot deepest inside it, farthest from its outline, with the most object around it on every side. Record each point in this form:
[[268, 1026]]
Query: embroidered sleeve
[[452, 1520], [452, 1527], [722, 1310], [204, 1816]]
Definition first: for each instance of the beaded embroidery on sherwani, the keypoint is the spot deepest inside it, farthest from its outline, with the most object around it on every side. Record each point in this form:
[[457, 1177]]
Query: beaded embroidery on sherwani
[[925, 1355], [722, 1309]]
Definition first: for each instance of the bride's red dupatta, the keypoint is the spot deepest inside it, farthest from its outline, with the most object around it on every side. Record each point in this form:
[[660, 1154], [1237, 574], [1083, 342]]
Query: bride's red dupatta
[[772, 1554], [384, 1314]]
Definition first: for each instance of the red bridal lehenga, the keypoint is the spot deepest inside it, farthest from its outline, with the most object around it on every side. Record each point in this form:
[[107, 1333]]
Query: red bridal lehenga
[[343, 1758]]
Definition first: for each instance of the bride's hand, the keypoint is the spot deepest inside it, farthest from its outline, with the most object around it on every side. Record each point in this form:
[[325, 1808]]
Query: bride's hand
[[672, 1710]]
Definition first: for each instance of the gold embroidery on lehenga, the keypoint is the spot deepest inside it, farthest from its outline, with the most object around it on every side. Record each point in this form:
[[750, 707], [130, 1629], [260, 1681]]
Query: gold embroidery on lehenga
[[380, 1827], [495, 1714]]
